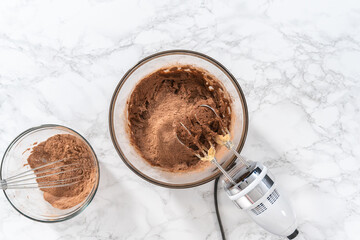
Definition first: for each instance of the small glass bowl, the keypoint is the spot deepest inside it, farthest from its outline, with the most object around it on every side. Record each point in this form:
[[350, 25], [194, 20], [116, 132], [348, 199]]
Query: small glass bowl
[[30, 202], [118, 122]]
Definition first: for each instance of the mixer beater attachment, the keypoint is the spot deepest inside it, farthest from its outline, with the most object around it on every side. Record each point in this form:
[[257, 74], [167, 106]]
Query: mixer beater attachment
[[208, 154], [225, 138]]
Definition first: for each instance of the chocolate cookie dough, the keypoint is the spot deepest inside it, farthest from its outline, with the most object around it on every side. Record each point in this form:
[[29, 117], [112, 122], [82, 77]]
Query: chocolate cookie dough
[[163, 99]]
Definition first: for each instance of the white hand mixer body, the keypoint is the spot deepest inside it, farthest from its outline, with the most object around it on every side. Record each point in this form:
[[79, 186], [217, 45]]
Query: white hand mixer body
[[257, 193], [251, 187]]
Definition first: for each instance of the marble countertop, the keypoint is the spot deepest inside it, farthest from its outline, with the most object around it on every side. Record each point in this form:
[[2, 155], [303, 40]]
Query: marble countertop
[[297, 62]]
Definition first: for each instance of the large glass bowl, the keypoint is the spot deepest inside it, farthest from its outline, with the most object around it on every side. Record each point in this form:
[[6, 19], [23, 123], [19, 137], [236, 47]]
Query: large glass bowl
[[118, 122], [30, 202]]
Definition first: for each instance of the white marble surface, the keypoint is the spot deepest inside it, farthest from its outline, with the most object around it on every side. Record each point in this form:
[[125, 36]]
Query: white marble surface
[[297, 62]]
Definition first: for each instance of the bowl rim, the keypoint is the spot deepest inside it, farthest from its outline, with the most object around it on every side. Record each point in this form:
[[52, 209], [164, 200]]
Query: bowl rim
[[162, 54], [89, 198]]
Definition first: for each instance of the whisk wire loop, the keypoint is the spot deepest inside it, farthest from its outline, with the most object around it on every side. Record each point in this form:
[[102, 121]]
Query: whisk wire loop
[[21, 180]]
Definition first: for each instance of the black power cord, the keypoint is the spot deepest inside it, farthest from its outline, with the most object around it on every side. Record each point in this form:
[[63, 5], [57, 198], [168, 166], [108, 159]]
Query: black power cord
[[217, 208], [216, 202]]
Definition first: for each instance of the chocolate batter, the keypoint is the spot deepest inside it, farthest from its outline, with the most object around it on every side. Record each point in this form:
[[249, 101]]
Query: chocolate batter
[[163, 99], [75, 151]]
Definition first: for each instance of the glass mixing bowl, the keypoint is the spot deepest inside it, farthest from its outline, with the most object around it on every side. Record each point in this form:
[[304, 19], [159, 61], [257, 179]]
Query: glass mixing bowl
[[30, 202], [118, 117]]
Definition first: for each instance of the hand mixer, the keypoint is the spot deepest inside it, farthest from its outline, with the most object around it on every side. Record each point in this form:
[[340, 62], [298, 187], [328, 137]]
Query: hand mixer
[[37, 177], [250, 186]]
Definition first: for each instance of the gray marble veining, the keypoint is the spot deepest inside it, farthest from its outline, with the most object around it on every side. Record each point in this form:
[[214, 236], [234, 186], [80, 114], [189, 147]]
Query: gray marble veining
[[297, 62]]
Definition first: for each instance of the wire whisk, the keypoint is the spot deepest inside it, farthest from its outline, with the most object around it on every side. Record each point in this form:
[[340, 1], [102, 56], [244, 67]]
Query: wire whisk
[[38, 177]]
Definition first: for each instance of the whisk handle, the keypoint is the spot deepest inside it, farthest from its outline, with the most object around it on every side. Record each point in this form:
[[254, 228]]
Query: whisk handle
[[3, 184]]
